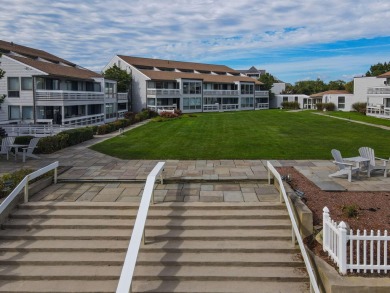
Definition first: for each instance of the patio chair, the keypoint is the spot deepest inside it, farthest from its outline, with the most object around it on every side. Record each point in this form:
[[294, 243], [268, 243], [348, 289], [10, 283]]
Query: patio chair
[[5, 142], [367, 152], [28, 151], [344, 168]]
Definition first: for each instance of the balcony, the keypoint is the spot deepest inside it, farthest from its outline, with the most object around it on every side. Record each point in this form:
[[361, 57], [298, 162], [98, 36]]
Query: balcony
[[44, 95], [379, 90], [219, 93], [163, 92], [261, 94], [122, 96]]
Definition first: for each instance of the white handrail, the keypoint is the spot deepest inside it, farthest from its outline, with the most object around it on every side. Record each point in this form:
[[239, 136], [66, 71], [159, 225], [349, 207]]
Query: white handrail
[[313, 281], [24, 184], [124, 284]]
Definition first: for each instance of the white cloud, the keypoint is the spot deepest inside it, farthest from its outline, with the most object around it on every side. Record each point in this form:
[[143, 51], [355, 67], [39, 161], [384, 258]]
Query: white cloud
[[91, 32]]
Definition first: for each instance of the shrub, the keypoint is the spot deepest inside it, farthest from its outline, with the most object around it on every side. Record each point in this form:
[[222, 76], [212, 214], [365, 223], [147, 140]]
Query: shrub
[[78, 135], [326, 106], [23, 139], [9, 181], [360, 107], [51, 144], [351, 211], [169, 115], [290, 105]]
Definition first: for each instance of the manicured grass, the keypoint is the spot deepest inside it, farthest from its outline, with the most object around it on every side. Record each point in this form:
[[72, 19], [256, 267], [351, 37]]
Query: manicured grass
[[359, 117], [268, 134]]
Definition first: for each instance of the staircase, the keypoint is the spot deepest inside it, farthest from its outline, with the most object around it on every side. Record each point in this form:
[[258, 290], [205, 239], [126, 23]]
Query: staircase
[[191, 247]]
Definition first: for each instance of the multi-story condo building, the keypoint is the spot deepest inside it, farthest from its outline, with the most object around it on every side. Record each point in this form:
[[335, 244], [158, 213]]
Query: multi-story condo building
[[377, 93], [253, 72], [43, 88], [190, 87]]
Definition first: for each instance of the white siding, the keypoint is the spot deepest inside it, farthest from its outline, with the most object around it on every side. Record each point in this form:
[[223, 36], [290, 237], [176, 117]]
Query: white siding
[[14, 68], [361, 84], [278, 100]]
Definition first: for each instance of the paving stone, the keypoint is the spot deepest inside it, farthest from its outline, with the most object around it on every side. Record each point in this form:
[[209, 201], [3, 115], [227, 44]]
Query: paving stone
[[227, 187], [207, 187], [190, 192], [235, 196], [211, 196], [250, 197], [266, 189]]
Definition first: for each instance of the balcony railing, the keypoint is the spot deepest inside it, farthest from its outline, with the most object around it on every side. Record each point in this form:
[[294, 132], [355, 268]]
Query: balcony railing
[[262, 106], [163, 92], [122, 96], [378, 111], [264, 94], [379, 90], [44, 95], [220, 93], [211, 107], [84, 120]]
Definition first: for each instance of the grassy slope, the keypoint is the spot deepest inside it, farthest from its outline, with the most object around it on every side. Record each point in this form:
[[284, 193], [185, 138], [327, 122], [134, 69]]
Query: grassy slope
[[271, 134]]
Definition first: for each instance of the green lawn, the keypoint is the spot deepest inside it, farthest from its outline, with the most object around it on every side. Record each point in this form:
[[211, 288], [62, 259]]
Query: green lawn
[[359, 117], [268, 134]]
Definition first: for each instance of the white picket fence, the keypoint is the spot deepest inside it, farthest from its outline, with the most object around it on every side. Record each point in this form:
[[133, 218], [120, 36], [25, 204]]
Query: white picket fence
[[367, 252]]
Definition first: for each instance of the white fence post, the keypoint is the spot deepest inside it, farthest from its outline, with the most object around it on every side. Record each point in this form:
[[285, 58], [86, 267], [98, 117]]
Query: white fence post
[[26, 189], [342, 247], [325, 220]]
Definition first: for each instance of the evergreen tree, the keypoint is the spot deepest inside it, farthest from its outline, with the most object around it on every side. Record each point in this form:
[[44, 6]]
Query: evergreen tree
[[121, 76], [378, 69]]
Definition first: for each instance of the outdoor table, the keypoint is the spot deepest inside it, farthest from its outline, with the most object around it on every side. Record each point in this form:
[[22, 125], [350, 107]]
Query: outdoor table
[[359, 161], [16, 148]]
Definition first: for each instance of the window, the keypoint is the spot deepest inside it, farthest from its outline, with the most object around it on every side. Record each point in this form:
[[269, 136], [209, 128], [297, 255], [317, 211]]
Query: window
[[27, 84], [296, 99], [14, 112], [192, 103], [341, 103], [285, 99], [94, 109], [13, 87], [193, 88], [27, 112]]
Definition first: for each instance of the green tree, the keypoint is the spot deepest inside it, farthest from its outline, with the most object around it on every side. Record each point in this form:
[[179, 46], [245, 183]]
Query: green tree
[[2, 73], [378, 69], [121, 76], [349, 86], [309, 87], [336, 85], [268, 80]]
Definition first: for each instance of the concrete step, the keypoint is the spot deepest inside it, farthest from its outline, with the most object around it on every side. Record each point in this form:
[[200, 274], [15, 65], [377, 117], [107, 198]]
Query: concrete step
[[225, 286], [220, 273], [77, 272], [173, 246], [151, 234], [152, 259], [62, 258], [157, 206], [42, 213], [90, 245], [59, 286], [150, 224]]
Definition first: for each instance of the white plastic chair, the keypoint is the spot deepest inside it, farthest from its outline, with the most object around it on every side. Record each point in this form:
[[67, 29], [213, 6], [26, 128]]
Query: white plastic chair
[[28, 151], [344, 168], [368, 153], [5, 142]]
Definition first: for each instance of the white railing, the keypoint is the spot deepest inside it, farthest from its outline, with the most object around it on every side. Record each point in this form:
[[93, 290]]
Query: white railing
[[378, 111], [162, 108], [163, 92], [366, 251], [138, 235], [379, 90], [261, 94], [230, 107], [44, 95], [84, 120], [220, 93], [37, 130], [25, 183], [122, 96], [262, 106], [295, 230], [159, 111], [211, 107]]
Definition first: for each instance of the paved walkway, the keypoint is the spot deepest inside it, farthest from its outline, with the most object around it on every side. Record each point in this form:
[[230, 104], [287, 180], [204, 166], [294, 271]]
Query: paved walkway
[[87, 164], [355, 121]]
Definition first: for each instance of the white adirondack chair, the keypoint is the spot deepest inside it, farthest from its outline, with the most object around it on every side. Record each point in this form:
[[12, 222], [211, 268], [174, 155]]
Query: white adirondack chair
[[367, 152], [344, 168], [28, 151], [5, 142]]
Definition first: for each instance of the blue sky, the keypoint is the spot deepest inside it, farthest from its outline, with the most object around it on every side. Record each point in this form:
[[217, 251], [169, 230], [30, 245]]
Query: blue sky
[[293, 40]]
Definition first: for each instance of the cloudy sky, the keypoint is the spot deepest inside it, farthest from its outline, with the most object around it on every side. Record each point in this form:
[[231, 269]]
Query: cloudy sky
[[293, 40]]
